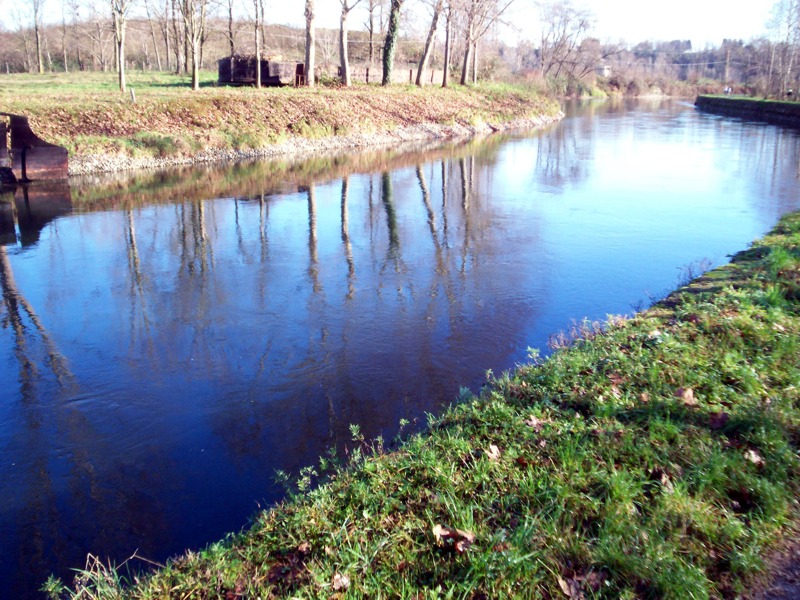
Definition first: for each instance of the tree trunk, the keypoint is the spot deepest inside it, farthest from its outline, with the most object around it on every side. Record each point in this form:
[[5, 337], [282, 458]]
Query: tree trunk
[[371, 29], [447, 44], [392, 32], [231, 35], [257, 34], [64, 45], [176, 37], [153, 35], [121, 57], [467, 51], [195, 64], [475, 63], [426, 52], [38, 35], [311, 35], [344, 62]]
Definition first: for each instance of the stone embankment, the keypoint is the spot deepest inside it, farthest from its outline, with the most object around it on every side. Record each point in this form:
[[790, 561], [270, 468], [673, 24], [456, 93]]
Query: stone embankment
[[769, 111], [299, 146]]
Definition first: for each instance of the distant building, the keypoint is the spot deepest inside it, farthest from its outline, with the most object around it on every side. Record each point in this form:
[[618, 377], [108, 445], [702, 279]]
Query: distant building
[[603, 71], [241, 70]]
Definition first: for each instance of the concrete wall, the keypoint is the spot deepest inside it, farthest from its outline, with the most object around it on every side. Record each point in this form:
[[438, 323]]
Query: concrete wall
[[770, 111]]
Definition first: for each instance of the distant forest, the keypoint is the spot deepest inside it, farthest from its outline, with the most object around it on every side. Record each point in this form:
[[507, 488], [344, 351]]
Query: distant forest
[[464, 36]]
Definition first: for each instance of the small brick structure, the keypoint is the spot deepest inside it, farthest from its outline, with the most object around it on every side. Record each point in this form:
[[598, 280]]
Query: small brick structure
[[29, 157], [241, 70]]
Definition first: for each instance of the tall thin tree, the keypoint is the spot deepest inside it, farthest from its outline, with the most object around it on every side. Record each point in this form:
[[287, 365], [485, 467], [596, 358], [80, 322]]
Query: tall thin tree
[[344, 62], [258, 9], [311, 36], [119, 12], [426, 52]]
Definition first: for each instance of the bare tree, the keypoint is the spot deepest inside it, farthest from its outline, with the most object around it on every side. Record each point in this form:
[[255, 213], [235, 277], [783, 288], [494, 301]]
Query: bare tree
[[177, 37], [37, 31], [448, 43], [392, 33], [438, 6], [563, 28], [310, 42], [64, 36], [347, 6], [481, 15], [194, 22], [119, 12], [372, 6], [148, 11], [258, 8], [231, 33]]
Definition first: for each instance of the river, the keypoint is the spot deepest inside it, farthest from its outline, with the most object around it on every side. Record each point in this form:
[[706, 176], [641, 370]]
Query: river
[[171, 340]]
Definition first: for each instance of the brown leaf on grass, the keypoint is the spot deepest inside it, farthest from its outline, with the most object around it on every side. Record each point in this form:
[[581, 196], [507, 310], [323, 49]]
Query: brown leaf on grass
[[718, 420], [570, 587], [616, 379], [304, 548], [644, 397], [456, 539], [493, 453], [687, 395], [535, 423], [340, 582], [660, 475], [754, 457], [615, 391]]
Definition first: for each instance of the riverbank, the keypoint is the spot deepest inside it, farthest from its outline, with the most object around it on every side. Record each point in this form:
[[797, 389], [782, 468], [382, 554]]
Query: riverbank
[[171, 125], [654, 456], [769, 111]]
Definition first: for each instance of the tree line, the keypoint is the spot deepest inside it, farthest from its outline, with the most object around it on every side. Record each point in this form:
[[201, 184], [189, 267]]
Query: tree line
[[181, 36]]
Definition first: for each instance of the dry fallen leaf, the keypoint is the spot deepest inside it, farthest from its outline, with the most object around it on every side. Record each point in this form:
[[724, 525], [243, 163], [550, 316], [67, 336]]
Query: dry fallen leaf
[[304, 548], [571, 588], [340, 582], [493, 453], [534, 423], [754, 457], [687, 395], [456, 538]]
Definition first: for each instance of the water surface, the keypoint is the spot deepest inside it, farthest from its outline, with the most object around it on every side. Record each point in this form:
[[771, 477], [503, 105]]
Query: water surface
[[171, 340]]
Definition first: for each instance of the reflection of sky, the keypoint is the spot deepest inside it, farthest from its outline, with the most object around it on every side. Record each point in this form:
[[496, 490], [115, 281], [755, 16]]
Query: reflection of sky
[[211, 342]]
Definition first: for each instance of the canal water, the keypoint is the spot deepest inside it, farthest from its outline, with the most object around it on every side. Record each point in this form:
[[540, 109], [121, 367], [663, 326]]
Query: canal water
[[171, 340]]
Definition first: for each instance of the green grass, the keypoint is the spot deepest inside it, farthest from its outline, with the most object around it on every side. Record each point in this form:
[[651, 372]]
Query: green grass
[[650, 457]]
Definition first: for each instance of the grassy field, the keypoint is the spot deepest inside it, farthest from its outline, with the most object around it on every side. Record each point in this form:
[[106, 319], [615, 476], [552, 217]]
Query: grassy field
[[86, 113], [650, 457]]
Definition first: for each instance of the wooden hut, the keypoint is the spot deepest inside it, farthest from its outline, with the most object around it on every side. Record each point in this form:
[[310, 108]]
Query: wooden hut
[[241, 70]]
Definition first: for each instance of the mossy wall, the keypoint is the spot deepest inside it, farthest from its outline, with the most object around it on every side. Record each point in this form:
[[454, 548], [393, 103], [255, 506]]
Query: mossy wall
[[770, 111]]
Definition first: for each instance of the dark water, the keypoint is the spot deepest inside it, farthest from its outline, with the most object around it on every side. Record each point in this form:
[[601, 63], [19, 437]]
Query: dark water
[[170, 340]]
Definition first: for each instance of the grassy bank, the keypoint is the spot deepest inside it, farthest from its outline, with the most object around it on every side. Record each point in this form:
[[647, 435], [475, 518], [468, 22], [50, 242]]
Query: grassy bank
[[85, 113], [653, 457]]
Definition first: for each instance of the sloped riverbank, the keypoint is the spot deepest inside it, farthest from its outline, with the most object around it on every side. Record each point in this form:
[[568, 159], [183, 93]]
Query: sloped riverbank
[[170, 125]]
